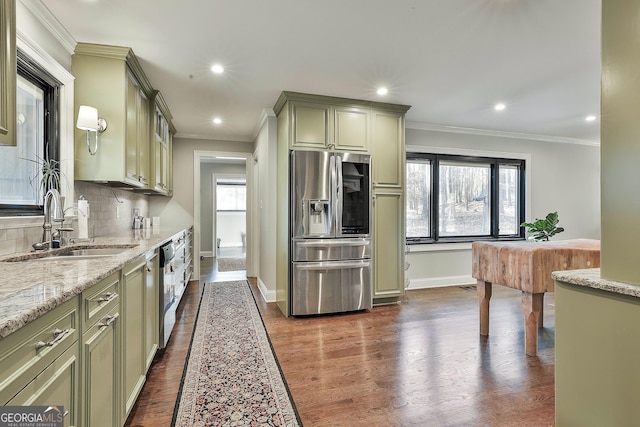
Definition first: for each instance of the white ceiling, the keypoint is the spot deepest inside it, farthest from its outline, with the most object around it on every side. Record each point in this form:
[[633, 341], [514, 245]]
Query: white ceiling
[[451, 60]]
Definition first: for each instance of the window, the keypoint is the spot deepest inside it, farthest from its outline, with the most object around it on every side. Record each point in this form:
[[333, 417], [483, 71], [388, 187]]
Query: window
[[461, 198], [231, 195], [37, 139]]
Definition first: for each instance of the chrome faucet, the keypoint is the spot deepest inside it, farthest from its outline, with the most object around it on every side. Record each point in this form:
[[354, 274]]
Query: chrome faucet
[[51, 202]]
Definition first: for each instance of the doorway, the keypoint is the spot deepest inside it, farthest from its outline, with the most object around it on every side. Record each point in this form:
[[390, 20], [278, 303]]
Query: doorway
[[221, 165], [230, 221]]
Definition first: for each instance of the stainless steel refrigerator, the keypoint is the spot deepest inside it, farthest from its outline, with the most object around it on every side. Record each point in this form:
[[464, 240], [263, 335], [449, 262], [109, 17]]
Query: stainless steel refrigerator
[[331, 266]]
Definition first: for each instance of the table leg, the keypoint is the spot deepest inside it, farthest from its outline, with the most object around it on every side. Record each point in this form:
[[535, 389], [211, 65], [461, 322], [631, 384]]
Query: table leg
[[532, 307], [484, 296]]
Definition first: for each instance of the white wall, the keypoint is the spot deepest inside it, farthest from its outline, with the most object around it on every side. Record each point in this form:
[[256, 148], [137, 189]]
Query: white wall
[[265, 155], [562, 177]]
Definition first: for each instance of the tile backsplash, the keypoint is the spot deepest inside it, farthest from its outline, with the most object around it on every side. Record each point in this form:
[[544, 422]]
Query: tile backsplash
[[110, 211]]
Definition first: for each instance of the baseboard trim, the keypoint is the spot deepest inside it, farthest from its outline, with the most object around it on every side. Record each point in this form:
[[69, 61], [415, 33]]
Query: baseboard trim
[[267, 295], [206, 254], [439, 282]]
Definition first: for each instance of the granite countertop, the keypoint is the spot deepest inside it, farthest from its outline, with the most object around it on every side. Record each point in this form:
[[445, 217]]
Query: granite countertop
[[30, 288], [590, 278]]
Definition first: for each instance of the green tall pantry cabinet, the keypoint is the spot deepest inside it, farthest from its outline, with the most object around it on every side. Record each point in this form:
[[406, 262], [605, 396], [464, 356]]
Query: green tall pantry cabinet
[[315, 122]]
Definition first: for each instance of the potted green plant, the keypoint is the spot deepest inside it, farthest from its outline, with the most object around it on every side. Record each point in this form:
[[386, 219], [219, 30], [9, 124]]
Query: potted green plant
[[48, 175], [541, 229]]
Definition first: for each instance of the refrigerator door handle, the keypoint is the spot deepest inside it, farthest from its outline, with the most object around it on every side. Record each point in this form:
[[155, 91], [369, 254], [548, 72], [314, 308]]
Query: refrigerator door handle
[[339, 195], [340, 265], [332, 201], [326, 244]]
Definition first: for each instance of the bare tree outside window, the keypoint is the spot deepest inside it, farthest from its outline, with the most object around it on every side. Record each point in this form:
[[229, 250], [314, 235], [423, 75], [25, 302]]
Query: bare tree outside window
[[465, 201], [463, 198], [418, 199]]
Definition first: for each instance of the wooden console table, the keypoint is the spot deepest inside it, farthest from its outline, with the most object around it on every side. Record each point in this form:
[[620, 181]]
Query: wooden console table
[[527, 266]]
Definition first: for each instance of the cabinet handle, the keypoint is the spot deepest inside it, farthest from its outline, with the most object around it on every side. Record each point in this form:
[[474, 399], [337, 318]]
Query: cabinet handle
[[108, 320], [107, 297], [58, 335]]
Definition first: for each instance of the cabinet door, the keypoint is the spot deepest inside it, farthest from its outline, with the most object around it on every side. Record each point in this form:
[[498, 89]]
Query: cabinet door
[[388, 249], [143, 131], [57, 385], [133, 332], [352, 128], [132, 131], [100, 352], [28, 351], [161, 153], [8, 72], [151, 309], [387, 149], [310, 125]]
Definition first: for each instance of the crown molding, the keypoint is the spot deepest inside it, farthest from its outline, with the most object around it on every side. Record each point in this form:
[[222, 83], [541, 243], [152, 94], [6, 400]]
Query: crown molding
[[500, 134], [51, 23], [264, 115], [208, 138]]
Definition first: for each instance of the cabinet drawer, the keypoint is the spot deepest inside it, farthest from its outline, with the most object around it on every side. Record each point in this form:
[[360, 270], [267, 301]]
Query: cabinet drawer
[[99, 299], [26, 352]]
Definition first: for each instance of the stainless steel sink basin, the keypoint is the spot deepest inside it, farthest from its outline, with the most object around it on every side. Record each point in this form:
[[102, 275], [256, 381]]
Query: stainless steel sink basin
[[73, 253], [95, 252]]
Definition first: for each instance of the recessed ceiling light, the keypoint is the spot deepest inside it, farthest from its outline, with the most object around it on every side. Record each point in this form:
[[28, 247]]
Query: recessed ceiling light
[[590, 118], [382, 91], [500, 106], [218, 69], [217, 120]]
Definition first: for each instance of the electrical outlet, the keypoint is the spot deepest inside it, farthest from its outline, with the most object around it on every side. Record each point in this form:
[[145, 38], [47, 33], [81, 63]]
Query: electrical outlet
[[117, 212]]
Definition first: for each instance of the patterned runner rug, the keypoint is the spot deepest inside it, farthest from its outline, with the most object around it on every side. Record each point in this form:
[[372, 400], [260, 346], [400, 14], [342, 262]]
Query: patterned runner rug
[[232, 377], [232, 264]]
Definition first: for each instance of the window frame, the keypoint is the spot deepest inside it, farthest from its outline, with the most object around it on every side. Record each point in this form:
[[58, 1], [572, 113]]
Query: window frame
[[494, 162], [33, 72]]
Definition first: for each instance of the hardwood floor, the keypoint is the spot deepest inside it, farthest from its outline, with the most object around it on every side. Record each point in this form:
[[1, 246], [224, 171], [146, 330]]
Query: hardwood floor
[[419, 363]]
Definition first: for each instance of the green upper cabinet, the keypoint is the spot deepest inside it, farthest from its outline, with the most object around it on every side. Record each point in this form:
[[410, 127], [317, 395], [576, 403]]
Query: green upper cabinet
[[388, 149], [321, 122], [161, 145], [352, 128], [8, 71], [137, 141], [310, 125], [111, 79]]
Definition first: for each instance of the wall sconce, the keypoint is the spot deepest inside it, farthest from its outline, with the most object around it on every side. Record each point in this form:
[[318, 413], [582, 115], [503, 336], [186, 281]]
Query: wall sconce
[[88, 120]]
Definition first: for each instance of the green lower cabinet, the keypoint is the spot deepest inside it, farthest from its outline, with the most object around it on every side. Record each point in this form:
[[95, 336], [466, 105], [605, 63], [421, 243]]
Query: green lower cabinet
[[151, 308], [133, 333], [388, 246], [596, 353], [57, 385], [101, 351]]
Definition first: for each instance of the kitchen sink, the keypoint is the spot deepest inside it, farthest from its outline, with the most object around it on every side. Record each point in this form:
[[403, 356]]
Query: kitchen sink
[[73, 253]]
